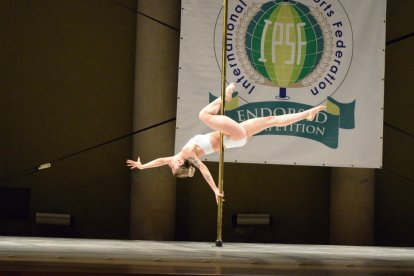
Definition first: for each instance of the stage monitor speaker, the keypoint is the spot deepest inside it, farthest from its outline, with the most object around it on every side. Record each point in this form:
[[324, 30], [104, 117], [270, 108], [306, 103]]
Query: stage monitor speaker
[[252, 219], [57, 219]]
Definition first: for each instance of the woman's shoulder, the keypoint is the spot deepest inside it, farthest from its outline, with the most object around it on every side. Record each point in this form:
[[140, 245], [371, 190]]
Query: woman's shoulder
[[191, 151]]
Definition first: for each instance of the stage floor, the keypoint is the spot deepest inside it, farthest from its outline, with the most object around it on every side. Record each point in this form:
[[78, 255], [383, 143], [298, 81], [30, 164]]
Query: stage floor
[[197, 258]]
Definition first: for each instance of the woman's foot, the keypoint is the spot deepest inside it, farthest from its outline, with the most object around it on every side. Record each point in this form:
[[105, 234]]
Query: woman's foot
[[229, 91], [313, 111]]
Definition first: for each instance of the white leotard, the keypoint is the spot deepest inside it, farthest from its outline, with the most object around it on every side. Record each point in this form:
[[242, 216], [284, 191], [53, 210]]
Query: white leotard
[[228, 143], [204, 142]]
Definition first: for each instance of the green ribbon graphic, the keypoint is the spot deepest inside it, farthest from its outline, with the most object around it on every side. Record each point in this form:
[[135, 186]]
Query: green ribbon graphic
[[324, 128]]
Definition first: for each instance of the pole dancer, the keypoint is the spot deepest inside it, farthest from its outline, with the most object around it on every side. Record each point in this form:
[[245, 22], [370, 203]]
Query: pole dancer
[[185, 162]]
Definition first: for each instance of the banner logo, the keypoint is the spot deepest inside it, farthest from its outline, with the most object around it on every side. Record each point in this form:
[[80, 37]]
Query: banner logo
[[292, 54]]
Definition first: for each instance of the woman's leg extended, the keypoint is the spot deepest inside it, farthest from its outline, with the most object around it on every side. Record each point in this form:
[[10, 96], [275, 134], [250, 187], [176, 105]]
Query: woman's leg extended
[[256, 125], [208, 115]]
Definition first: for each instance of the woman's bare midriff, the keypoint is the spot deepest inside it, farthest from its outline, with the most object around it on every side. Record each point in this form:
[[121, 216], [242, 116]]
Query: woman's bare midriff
[[215, 141]]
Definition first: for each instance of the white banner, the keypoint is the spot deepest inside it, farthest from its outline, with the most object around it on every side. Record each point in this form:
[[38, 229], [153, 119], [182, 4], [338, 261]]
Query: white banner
[[286, 56]]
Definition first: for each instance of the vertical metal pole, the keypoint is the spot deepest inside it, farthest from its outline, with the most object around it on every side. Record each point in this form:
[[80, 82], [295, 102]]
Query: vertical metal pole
[[219, 241]]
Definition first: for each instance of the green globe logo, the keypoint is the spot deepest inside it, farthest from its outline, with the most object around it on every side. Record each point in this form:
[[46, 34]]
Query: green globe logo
[[284, 43]]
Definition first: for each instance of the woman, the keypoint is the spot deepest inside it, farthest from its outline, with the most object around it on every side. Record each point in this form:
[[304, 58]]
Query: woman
[[183, 164]]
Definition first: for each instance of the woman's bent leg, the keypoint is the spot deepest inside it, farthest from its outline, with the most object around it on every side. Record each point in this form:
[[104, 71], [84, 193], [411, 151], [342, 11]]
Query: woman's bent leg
[[229, 127]]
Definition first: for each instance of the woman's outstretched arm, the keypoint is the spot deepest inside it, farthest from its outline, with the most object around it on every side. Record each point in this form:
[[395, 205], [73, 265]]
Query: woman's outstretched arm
[[207, 176], [152, 164]]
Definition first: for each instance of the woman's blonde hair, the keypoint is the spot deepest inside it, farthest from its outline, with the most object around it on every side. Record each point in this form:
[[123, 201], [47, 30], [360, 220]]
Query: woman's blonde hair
[[186, 170]]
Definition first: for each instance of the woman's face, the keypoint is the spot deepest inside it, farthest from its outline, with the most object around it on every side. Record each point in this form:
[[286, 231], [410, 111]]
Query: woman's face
[[176, 162]]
